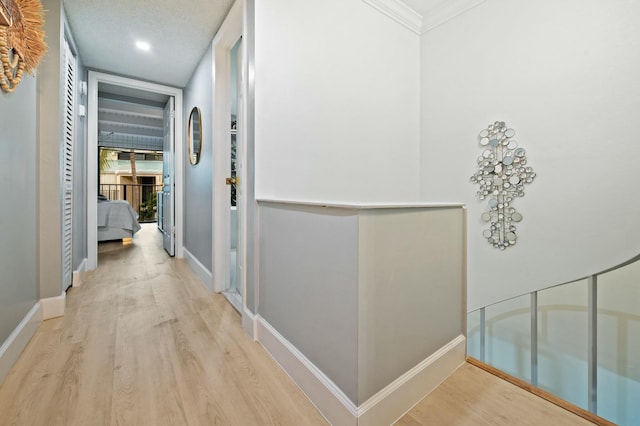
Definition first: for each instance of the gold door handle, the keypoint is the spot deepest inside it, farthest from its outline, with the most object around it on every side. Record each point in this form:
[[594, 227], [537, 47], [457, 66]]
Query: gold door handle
[[231, 181]]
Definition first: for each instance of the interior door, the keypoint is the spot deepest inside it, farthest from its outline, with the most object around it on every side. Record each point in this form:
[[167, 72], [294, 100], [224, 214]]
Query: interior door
[[235, 193], [168, 187], [69, 129]]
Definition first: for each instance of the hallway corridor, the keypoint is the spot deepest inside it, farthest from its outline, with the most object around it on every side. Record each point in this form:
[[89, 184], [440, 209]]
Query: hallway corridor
[[144, 343]]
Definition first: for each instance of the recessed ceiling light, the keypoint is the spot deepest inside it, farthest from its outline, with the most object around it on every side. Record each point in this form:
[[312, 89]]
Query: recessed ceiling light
[[143, 45]]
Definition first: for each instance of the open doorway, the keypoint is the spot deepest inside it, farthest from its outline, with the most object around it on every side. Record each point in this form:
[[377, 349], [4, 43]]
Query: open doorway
[[134, 158], [233, 290], [230, 201], [130, 150]]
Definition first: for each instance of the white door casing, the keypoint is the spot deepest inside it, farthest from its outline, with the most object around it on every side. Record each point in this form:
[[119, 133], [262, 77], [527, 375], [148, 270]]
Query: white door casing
[[225, 39], [95, 78], [223, 42]]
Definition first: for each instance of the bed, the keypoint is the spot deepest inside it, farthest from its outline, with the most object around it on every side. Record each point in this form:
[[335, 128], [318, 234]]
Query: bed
[[116, 220]]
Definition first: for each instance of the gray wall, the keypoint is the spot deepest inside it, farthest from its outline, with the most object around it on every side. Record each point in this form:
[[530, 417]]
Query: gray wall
[[49, 208], [198, 193], [411, 290], [309, 285], [364, 294], [18, 221]]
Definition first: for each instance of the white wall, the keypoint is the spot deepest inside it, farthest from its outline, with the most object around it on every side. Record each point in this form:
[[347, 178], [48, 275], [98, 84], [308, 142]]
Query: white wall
[[564, 76], [336, 102]]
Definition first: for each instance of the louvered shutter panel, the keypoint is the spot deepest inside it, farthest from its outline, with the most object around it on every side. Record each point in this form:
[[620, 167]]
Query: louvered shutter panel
[[67, 186]]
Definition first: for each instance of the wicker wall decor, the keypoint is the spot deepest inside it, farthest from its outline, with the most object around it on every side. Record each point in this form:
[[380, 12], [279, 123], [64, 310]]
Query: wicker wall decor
[[21, 42]]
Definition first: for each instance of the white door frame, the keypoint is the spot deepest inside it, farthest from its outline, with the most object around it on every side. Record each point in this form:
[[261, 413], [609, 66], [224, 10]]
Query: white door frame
[[92, 157], [226, 37]]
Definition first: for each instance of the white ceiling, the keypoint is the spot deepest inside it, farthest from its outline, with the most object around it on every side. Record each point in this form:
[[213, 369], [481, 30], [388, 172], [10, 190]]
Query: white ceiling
[[179, 31]]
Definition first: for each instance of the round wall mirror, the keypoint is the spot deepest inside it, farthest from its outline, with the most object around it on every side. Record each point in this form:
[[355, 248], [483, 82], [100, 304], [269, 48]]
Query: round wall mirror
[[194, 137]]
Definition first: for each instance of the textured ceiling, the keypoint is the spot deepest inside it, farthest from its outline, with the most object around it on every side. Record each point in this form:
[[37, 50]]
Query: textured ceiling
[[179, 31]]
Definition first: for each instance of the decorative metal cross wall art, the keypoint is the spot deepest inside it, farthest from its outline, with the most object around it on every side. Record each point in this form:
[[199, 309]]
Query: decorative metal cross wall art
[[501, 177]]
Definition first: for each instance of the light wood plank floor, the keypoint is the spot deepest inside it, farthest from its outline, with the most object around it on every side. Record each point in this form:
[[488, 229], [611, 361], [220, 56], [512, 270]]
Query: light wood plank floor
[[144, 343], [473, 397]]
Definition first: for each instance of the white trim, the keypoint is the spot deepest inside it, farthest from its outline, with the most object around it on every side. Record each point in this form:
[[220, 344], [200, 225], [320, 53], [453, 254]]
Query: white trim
[[399, 12], [14, 345], [445, 11], [420, 24], [231, 30], [201, 271], [53, 307], [92, 157], [395, 400], [332, 403], [361, 206], [383, 408], [83, 266], [250, 323], [234, 298], [76, 280], [226, 37], [79, 273]]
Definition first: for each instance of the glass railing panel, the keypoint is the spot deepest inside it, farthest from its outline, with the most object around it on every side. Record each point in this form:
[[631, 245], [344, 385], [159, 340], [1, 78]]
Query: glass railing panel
[[562, 342], [508, 336], [619, 345], [473, 334]]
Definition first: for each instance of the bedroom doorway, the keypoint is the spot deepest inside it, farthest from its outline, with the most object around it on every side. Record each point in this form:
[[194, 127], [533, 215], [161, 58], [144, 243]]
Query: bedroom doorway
[[139, 125]]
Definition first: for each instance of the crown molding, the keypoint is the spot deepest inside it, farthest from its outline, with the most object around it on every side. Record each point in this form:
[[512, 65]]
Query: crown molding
[[445, 11], [399, 12]]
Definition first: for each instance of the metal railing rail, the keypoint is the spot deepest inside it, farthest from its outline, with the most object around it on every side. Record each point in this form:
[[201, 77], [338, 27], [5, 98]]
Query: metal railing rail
[[592, 327], [142, 197]]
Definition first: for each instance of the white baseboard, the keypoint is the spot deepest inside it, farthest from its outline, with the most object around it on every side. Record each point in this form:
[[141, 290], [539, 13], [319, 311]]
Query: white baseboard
[[76, 281], [250, 324], [83, 265], [386, 406], [53, 307], [79, 273], [201, 271], [18, 339], [332, 403], [396, 399]]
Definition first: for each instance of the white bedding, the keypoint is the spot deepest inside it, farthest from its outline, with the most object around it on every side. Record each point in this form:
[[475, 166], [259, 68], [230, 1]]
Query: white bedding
[[117, 214]]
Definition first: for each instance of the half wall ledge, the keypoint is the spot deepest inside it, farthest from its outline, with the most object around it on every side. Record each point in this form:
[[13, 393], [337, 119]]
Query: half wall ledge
[[369, 297]]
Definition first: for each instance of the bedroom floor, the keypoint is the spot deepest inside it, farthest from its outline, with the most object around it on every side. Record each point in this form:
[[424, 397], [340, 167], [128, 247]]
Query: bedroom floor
[[144, 343]]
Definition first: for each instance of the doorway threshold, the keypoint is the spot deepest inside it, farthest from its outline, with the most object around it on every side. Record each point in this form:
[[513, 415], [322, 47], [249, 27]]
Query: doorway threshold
[[234, 298]]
